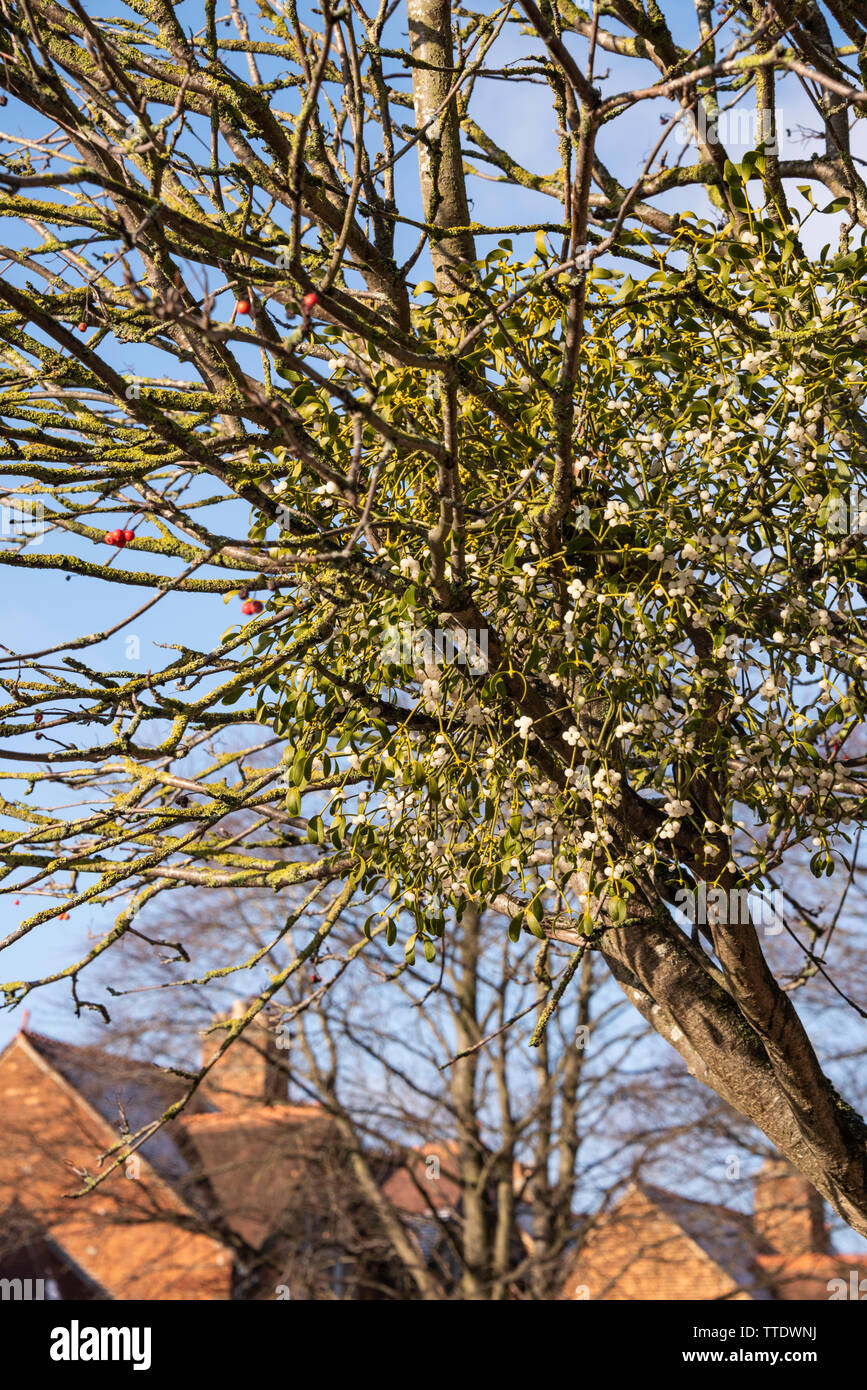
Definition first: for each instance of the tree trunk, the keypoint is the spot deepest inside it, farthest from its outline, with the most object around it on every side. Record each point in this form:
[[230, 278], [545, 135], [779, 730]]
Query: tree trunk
[[762, 1065]]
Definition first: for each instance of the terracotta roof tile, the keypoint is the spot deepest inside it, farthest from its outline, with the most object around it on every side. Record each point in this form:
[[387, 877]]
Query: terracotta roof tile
[[258, 1161], [428, 1177], [107, 1082]]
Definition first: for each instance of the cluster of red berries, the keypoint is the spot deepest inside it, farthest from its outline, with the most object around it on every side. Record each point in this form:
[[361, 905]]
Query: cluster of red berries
[[251, 607], [119, 538]]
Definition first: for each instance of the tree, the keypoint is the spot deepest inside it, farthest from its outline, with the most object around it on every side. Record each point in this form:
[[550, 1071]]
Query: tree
[[442, 1157], [600, 463]]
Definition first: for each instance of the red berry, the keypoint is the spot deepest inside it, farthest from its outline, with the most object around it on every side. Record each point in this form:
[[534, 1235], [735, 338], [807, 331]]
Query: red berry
[[82, 327], [252, 606], [37, 718], [17, 900], [310, 301], [128, 536], [111, 537], [243, 306], [314, 978]]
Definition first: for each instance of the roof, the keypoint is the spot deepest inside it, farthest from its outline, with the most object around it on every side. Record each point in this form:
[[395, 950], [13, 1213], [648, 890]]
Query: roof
[[29, 1252], [117, 1087], [135, 1239], [426, 1177], [731, 1240], [248, 1163], [807, 1278], [256, 1161], [727, 1237], [216, 1120]]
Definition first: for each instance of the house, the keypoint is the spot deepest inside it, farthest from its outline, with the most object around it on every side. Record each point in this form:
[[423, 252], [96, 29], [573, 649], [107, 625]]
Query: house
[[217, 1204], [241, 1195], [246, 1195], [63, 1106], [654, 1245]]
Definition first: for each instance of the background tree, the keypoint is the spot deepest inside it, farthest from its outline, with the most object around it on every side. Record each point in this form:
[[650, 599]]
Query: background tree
[[391, 1174], [447, 1158], [605, 464]]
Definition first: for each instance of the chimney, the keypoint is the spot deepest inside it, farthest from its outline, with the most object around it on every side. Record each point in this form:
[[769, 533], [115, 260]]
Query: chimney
[[789, 1212], [252, 1071]]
